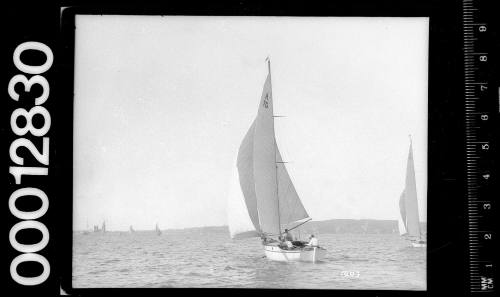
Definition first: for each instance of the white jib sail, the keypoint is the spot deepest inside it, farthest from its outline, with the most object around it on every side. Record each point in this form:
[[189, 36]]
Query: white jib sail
[[291, 210], [239, 222]]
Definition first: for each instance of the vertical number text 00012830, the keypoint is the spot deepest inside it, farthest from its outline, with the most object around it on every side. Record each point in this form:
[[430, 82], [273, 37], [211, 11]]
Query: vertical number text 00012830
[[27, 134]]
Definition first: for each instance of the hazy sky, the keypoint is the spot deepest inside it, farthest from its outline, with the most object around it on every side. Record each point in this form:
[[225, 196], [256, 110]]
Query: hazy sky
[[163, 103]]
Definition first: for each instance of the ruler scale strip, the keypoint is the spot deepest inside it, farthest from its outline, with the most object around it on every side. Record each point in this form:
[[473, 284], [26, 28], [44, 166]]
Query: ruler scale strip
[[477, 146]]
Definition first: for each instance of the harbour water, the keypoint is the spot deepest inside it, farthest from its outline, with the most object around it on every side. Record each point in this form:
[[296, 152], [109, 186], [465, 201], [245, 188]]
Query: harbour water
[[208, 258]]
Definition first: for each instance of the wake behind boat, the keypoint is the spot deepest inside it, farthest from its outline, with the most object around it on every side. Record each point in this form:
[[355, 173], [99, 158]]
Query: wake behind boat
[[264, 200], [408, 223]]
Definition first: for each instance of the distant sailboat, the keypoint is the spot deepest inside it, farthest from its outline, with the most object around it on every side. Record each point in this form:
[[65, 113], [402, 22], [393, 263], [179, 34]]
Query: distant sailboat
[[131, 229], [408, 223], [263, 199], [103, 228], [157, 230]]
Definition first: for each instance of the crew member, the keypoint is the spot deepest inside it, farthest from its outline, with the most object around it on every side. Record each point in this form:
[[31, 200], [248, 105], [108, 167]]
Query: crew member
[[313, 241]]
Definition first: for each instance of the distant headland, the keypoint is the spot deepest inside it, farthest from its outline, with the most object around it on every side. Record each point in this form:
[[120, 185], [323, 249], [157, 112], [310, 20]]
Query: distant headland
[[334, 226]]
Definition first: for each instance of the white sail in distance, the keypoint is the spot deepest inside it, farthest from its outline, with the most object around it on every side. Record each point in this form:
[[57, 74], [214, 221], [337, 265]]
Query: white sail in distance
[[408, 201]]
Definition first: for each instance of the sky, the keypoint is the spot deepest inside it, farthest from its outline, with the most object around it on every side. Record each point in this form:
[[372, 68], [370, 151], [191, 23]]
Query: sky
[[162, 104]]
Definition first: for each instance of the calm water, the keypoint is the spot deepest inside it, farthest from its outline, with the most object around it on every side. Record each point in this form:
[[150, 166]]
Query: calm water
[[194, 258]]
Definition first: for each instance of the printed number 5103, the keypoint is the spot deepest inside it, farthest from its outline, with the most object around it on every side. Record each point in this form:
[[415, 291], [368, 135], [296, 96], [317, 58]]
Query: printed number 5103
[[350, 274]]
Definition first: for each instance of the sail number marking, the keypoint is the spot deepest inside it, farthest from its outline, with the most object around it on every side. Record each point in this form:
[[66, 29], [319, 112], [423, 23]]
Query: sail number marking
[[23, 123]]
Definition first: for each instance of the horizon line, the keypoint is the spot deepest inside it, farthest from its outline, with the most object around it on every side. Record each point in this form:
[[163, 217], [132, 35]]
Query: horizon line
[[220, 226]]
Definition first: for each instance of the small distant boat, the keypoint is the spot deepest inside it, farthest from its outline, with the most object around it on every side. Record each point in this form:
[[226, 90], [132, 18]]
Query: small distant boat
[[131, 229], [100, 230], [408, 223], [157, 230], [265, 201]]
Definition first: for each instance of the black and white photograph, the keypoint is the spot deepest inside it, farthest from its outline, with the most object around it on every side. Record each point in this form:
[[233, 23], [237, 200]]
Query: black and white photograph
[[250, 152], [249, 147]]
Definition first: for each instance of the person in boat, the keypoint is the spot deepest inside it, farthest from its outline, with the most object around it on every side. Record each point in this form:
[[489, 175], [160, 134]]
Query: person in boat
[[288, 236], [313, 241], [287, 240]]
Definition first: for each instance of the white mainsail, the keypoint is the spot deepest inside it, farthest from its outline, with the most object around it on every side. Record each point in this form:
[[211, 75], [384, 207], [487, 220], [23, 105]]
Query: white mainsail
[[266, 198], [264, 163], [408, 203]]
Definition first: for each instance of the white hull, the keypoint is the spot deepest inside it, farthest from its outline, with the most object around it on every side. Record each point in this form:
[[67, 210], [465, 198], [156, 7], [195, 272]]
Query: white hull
[[308, 254], [418, 244]]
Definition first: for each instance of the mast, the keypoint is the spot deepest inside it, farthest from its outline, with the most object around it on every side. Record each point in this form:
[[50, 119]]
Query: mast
[[275, 146]]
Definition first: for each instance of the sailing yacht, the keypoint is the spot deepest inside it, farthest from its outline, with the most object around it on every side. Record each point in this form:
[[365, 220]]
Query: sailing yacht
[[408, 223], [131, 229], [157, 230], [263, 200]]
